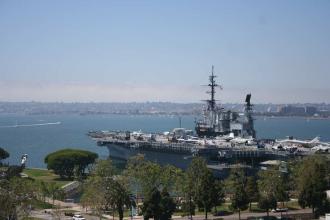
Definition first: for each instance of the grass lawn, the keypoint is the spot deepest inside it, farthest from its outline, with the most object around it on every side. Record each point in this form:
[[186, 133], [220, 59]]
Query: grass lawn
[[293, 205], [42, 205], [255, 208], [224, 208], [45, 175]]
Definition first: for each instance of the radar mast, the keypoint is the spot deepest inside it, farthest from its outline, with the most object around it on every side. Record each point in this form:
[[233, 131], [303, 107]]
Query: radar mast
[[211, 103]]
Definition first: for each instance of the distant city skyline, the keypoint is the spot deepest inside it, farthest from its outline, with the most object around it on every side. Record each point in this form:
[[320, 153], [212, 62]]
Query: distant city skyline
[[125, 51]]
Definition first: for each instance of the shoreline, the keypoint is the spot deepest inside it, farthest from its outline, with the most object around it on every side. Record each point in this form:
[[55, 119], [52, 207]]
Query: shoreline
[[160, 114], [285, 117]]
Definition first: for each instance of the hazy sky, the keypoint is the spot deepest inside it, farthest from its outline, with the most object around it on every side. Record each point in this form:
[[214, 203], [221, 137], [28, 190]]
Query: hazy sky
[[163, 50]]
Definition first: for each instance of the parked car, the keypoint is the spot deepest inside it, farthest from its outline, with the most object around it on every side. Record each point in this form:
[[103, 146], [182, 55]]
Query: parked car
[[280, 210], [78, 217], [69, 214]]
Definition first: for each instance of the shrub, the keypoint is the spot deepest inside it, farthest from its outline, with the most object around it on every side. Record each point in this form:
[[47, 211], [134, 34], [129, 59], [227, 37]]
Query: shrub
[[3, 154]]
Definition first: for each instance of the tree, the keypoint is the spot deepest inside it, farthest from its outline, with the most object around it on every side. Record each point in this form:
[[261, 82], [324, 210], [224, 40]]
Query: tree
[[187, 189], [55, 191], [312, 182], [207, 195], [68, 161], [7, 201], [16, 197], [3, 154], [152, 179], [252, 190], [218, 195], [167, 205], [170, 178], [188, 207], [144, 174], [267, 202], [282, 188], [151, 205], [13, 171], [202, 186], [158, 205], [239, 198], [93, 196], [44, 190], [104, 190], [149, 175], [272, 189], [120, 196]]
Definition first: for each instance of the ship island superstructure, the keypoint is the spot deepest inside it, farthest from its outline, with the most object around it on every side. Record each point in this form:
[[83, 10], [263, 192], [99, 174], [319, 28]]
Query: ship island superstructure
[[221, 136], [217, 121]]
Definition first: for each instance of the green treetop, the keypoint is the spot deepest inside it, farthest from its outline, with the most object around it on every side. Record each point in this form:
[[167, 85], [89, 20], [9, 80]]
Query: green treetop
[[237, 183], [311, 180], [3, 154], [68, 162], [205, 190], [103, 190]]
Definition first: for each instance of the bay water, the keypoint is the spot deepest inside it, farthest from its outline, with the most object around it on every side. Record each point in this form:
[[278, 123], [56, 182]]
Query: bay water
[[39, 135]]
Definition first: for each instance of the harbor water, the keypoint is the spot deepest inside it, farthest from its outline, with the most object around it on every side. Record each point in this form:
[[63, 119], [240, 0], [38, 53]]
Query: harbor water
[[38, 135]]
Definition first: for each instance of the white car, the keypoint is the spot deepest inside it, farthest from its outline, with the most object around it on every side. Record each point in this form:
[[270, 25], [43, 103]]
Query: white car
[[78, 217], [280, 210]]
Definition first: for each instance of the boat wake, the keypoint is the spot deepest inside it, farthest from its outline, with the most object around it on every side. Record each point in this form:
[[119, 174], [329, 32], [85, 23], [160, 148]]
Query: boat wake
[[31, 125]]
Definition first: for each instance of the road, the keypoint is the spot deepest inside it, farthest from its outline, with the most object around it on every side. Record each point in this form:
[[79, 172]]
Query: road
[[49, 213], [245, 215], [72, 206]]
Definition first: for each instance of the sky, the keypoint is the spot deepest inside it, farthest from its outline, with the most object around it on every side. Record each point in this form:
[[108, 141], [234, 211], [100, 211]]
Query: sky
[[152, 50]]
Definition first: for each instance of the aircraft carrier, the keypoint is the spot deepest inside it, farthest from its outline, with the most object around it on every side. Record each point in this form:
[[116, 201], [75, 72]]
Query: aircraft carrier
[[220, 136]]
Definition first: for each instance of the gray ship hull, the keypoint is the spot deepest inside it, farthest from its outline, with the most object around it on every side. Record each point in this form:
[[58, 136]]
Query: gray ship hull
[[181, 160]]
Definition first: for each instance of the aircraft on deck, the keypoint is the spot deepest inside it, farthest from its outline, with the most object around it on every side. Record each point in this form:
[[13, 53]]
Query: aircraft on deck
[[240, 140], [306, 143], [321, 148]]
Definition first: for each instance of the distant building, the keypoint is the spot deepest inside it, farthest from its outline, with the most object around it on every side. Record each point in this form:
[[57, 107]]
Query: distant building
[[324, 113], [290, 110], [310, 110]]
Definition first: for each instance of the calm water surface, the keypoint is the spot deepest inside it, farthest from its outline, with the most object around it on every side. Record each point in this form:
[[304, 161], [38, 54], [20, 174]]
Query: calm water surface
[[39, 135]]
